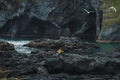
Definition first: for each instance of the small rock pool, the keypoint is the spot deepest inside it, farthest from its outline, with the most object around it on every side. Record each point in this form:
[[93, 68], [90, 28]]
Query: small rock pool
[[108, 47]]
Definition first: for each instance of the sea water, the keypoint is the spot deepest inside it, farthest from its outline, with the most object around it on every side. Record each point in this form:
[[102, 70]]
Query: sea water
[[108, 47], [19, 42]]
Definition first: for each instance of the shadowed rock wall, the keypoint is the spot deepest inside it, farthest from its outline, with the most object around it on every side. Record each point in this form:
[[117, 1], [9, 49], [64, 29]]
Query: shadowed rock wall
[[52, 18]]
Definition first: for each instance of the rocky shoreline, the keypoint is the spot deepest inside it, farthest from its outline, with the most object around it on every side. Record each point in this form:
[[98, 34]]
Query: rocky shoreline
[[66, 43], [76, 64], [107, 41]]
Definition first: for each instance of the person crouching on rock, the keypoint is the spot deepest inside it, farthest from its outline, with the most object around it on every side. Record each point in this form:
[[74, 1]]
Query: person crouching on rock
[[60, 51]]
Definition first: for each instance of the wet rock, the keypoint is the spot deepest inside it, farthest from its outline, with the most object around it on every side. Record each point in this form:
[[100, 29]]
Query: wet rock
[[77, 64], [5, 46], [28, 71], [117, 49], [65, 43], [17, 64], [87, 64], [47, 65], [110, 35], [63, 76]]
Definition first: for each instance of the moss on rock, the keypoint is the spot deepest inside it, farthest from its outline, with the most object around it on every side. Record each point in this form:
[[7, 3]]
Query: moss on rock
[[110, 17]]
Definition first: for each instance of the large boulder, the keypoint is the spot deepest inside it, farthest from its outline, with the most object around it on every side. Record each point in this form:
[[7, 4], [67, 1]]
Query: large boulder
[[5, 46], [51, 18], [14, 64], [75, 64], [66, 43], [97, 63]]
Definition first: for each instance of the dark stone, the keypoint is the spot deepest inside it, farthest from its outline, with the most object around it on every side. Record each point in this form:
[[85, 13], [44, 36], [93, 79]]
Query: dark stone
[[110, 35], [16, 64], [53, 18], [66, 43], [47, 65], [117, 49], [5, 46], [63, 76]]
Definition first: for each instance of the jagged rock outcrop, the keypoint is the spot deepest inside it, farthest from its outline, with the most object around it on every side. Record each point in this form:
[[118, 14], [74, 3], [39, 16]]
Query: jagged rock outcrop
[[52, 18], [72, 44], [5, 46], [47, 65]]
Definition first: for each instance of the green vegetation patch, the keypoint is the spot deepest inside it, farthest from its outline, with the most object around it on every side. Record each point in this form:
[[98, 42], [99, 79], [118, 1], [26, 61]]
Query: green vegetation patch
[[9, 4], [110, 17]]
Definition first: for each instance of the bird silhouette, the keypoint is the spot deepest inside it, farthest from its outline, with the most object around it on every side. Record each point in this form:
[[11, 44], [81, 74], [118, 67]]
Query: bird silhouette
[[88, 12]]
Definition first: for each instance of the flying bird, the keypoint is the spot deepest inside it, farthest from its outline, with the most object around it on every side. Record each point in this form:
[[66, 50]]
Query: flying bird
[[88, 12]]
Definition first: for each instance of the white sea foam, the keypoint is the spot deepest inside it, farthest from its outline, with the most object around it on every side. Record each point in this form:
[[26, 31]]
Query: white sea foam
[[19, 45]]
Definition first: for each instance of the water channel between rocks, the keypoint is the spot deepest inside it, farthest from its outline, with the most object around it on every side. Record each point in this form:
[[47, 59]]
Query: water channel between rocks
[[19, 42]]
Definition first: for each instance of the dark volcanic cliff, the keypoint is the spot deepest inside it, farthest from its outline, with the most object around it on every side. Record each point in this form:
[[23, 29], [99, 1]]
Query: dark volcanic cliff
[[50, 18]]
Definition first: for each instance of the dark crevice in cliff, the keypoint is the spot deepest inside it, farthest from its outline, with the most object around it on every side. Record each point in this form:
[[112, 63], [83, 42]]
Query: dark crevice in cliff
[[29, 26], [85, 28]]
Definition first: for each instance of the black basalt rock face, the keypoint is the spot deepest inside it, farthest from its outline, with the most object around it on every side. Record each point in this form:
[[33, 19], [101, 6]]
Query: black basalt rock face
[[51, 18]]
